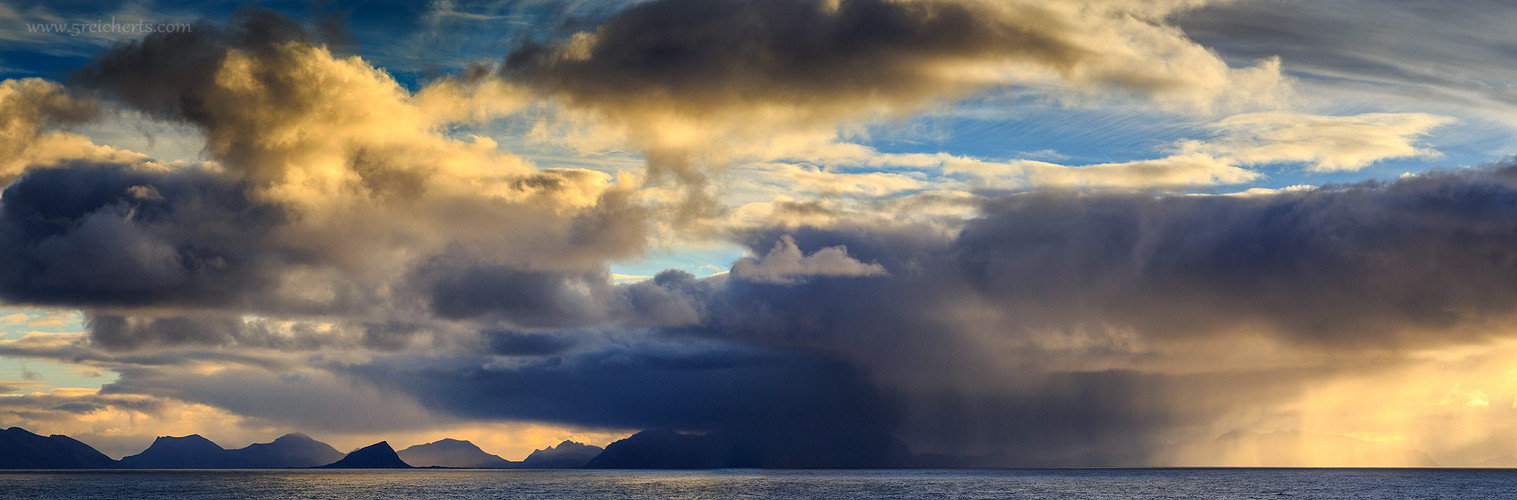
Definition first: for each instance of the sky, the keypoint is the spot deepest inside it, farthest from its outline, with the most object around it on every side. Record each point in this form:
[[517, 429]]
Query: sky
[[1170, 232]]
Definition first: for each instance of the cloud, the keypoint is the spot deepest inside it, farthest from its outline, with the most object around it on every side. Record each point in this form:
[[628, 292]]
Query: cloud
[[841, 181], [1326, 143], [786, 264], [1365, 263], [252, 87], [509, 343], [823, 183], [698, 84], [1104, 323], [1172, 172], [1410, 57], [329, 190], [524, 297], [39, 319], [650, 383], [1057, 324], [352, 245], [308, 398], [86, 234], [26, 384], [33, 114], [825, 59]]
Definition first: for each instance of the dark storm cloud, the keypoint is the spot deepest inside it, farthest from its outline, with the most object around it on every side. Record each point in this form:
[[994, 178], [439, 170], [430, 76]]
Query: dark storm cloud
[[1106, 418], [130, 335], [1373, 264], [672, 297], [700, 56], [90, 234], [533, 298], [163, 356], [296, 396], [115, 332], [968, 336], [509, 343], [1365, 264], [464, 287], [680, 384], [167, 74]]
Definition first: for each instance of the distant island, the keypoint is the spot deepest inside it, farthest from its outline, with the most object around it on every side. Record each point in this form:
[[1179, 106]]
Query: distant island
[[651, 449], [20, 449], [194, 451], [463, 454], [375, 456]]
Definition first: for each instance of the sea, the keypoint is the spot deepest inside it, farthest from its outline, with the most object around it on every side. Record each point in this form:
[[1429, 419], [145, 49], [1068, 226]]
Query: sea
[[739, 483]]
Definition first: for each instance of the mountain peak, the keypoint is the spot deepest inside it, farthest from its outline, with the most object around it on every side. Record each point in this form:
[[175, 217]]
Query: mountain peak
[[289, 450], [22, 449], [452, 453], [169, 452], [196, 452], [186, 438], [375, 456], [566, 455], [451, 443]]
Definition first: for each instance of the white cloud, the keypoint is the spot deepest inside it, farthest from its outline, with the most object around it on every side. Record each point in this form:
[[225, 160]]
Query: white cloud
[[786, 264], [1327, 143]]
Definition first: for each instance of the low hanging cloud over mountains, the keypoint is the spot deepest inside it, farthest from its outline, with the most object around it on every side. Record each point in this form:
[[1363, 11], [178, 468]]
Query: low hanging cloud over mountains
[[354, 253]]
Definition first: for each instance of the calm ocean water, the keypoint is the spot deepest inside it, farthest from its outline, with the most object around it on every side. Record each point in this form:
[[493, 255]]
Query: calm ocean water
[[1041, 483]]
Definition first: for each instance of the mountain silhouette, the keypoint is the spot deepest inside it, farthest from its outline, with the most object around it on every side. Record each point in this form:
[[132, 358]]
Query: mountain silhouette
[[658, 449], [664, 449], [650, 449], [567, 455], [289, 450], [20, 449], [188, 452], [452, 453], [375, 456], [196, 452]]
